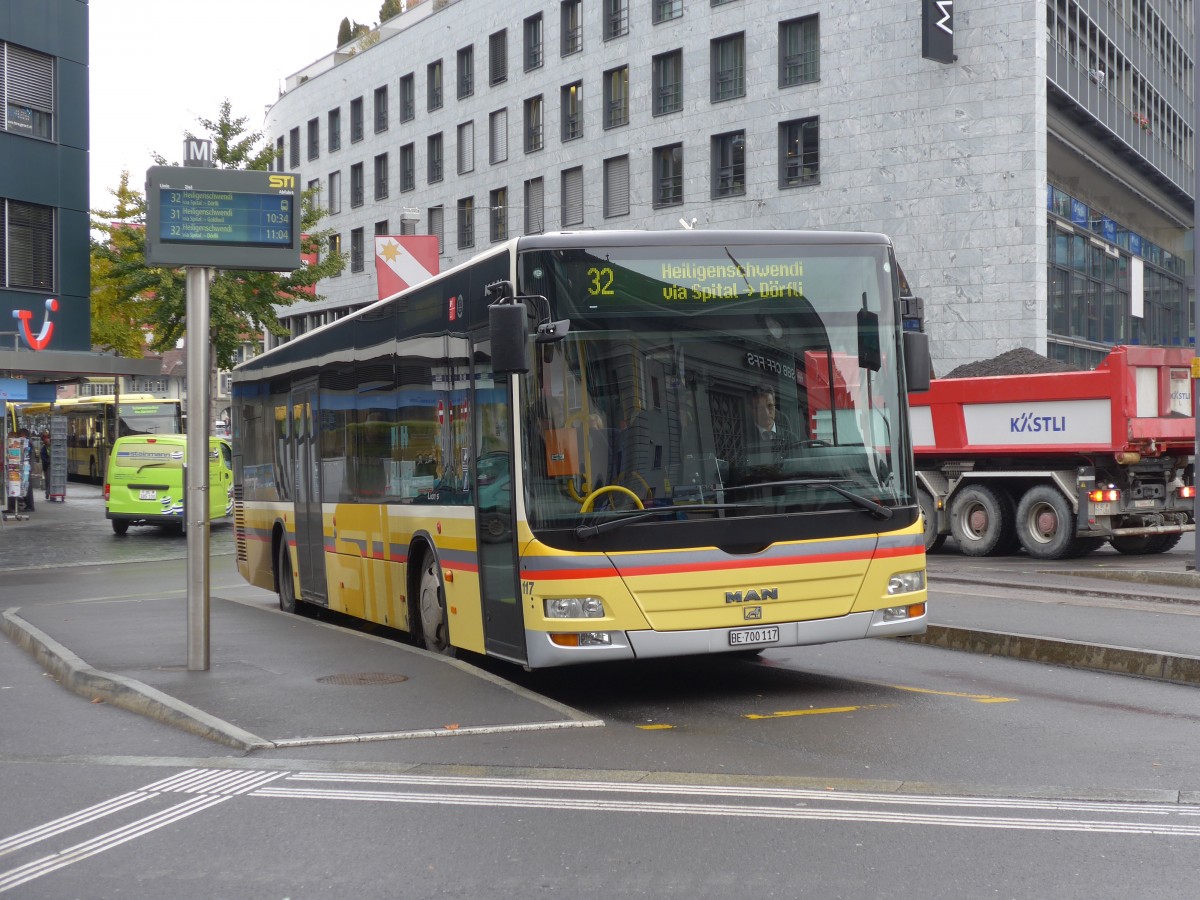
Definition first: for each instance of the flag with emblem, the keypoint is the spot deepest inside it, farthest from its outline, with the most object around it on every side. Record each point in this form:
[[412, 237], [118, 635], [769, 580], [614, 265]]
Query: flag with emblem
[[402, 260]]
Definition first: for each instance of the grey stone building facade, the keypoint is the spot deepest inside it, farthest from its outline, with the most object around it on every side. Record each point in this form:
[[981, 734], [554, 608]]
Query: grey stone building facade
[[1033, 202]]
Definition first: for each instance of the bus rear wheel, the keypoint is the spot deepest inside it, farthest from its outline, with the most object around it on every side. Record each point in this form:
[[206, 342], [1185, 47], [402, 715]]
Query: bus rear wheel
[[435, 624], [287, 585]]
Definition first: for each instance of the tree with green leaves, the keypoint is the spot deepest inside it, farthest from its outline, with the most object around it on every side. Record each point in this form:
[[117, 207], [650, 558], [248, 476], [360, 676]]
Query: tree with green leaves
[[242, 302], [390, 9]]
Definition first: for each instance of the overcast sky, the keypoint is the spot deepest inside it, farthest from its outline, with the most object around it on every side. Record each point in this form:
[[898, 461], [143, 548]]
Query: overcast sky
[[156, 66]]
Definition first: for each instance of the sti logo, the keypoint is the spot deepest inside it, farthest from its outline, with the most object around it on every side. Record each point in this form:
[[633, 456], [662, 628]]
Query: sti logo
[[42, 340], [282, 181]]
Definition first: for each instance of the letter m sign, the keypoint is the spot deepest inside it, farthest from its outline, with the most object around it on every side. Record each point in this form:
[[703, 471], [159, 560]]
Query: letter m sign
[[197, 152]]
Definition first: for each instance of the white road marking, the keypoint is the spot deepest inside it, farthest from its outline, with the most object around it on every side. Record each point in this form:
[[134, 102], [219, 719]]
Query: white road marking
[[213, 787]]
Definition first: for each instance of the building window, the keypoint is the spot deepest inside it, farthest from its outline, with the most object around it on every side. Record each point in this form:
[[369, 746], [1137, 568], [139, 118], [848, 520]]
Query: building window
[[728, 67], [28, 81], [533, 42], [433, 85], [572, 196], [535, 206], [498, 215], [408, 98], [668, 82], [381, 109], [498, 136], [381, 176], [616, 187], [668, 175], [533, 124], [799, 51], [466, 223], [572, 111], [356, 119], [335, 192], [27, 260], [572, 27], [356, 250], [616, 18], [433, 158], [665, 10], [408, 167], [294, 148], [729, 164], [279, 151], [466, 148], [314, 138], [312, 194], [498, 56], [335, 129], [381, 228], [356, 185], [437, 226], [799, 155], [335, 250], [616, 97], [408, 224], [466, 71]]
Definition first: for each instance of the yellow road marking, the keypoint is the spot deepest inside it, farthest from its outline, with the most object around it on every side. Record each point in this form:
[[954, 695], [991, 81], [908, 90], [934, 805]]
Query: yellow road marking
[[783, 714], [978, 698], [655, 727]]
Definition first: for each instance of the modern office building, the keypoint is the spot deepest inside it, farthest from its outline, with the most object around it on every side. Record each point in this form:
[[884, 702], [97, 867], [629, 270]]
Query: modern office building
[[1037, 181], [44, 272]]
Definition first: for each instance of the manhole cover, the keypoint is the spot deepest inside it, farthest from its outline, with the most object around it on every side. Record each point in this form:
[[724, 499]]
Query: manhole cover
[[356, 678]]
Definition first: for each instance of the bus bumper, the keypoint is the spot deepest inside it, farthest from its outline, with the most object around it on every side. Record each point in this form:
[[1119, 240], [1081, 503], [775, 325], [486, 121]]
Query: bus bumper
[[542, 652]]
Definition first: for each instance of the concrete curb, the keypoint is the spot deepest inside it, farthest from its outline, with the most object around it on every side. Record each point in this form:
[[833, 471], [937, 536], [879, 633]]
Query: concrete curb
[[127, 693], [1096, 657]]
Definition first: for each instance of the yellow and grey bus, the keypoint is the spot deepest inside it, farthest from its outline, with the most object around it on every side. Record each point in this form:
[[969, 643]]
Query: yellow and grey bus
[[549, 454], [94, 423]]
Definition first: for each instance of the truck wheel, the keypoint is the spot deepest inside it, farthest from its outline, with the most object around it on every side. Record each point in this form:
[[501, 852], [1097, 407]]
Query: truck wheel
[[1132, 545], [981, 520], [933, 540], [1161, 543], [1046, 524]]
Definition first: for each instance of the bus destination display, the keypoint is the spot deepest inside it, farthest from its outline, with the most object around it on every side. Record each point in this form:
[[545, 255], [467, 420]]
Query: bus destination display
[[225, 217]]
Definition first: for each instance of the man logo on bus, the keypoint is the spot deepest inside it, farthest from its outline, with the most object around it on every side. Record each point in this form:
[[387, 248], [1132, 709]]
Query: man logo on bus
[[42, 341]]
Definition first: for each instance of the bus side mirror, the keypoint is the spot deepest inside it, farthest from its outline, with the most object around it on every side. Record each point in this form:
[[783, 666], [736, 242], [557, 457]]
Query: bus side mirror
[[918, 367], [507, 324]]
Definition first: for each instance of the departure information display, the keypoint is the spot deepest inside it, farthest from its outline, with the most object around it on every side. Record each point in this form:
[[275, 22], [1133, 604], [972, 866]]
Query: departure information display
[[225, 217]]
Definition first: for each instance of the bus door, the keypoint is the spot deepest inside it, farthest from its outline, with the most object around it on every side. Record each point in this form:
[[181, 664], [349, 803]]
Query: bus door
[[494, 497], [310, 528]]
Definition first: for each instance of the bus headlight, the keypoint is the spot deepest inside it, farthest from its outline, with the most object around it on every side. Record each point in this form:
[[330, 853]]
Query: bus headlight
[[906, 582], [574, 608]]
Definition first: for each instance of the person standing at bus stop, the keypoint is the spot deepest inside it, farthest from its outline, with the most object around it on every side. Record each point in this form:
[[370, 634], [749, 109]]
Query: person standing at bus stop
[[46, 463]]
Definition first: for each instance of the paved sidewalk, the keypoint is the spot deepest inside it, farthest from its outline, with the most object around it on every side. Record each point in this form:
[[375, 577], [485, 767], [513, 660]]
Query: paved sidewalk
[[275, 680]]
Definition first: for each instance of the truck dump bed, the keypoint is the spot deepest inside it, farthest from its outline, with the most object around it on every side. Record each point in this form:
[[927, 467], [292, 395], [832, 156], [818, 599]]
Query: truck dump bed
[[1139, 399]]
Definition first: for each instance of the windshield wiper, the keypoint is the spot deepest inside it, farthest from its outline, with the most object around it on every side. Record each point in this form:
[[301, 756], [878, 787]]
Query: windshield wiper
[[835, 485], [583, 532]]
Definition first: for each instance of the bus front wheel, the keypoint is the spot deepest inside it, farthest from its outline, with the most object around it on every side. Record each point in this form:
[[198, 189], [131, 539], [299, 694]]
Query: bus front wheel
[[287, 585], [435, 625]]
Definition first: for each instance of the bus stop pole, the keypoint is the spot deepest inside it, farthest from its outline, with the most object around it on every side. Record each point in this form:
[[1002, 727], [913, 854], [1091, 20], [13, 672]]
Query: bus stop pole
[[195, 508]]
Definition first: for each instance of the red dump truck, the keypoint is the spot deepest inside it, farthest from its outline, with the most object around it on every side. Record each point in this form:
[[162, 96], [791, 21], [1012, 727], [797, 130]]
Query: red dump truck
[[1060, 463]]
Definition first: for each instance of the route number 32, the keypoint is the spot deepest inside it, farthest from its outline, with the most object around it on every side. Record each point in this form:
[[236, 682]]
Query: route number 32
[[601, 282]]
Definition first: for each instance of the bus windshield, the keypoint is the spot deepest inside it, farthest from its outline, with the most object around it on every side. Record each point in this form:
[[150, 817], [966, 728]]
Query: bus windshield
[[730, 382]]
